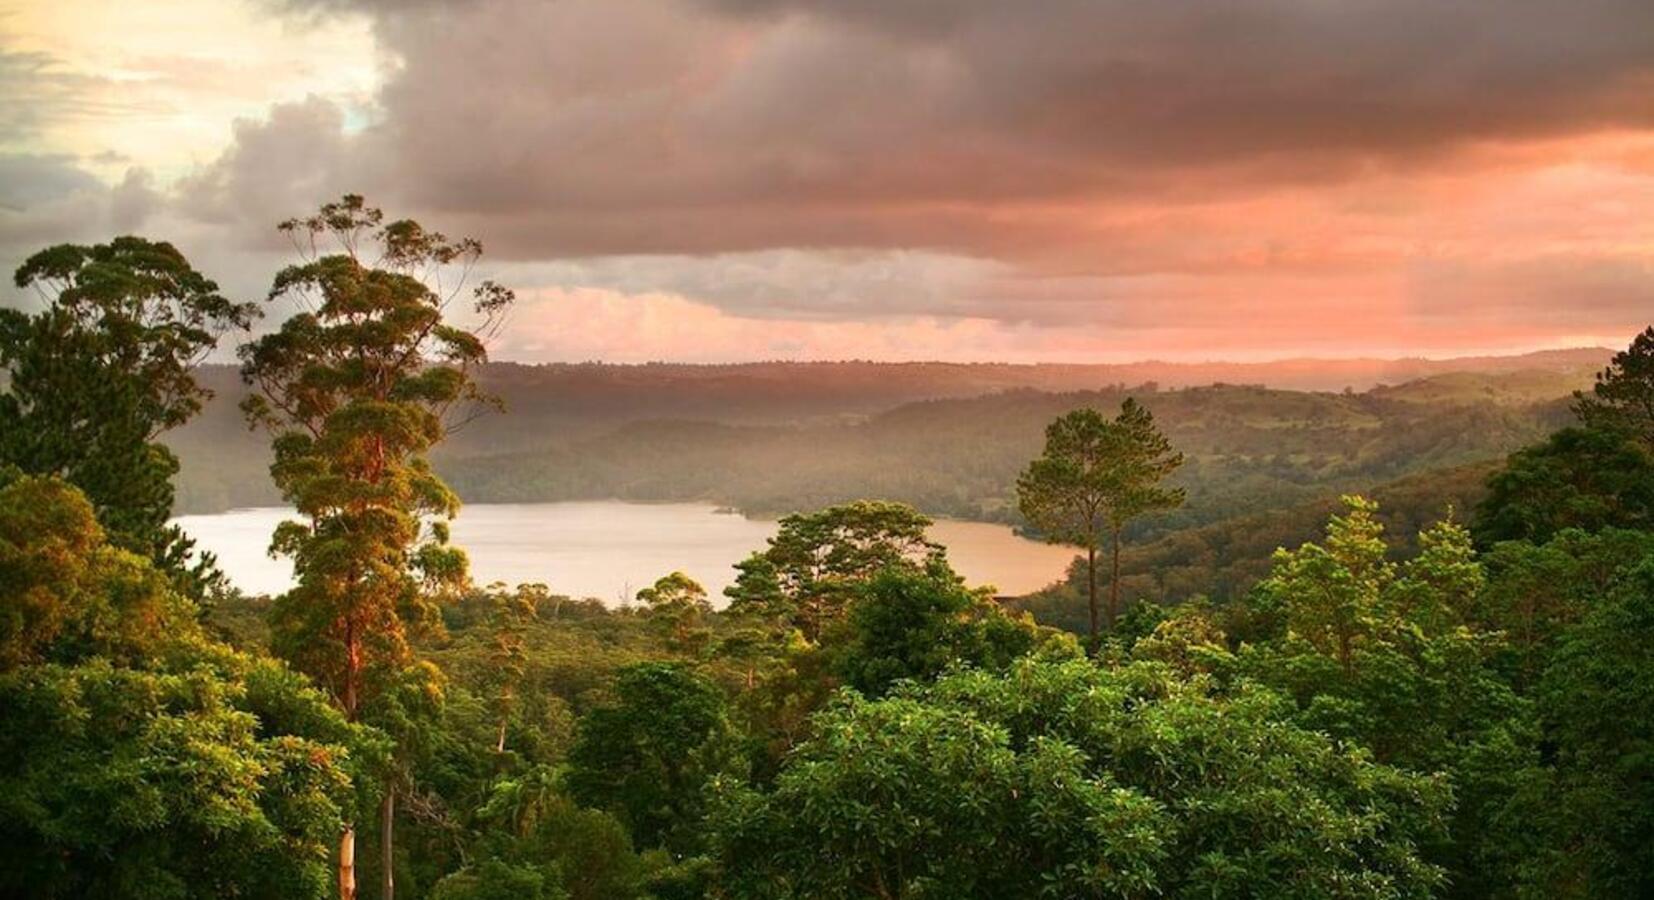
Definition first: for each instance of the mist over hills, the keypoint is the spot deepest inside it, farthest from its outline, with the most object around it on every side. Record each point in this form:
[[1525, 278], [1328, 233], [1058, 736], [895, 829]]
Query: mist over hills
[[774, 437]]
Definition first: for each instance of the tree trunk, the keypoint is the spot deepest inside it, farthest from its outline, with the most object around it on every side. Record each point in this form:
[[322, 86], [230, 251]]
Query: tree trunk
[[1091, 594], [499, 745], [347, 842], [353, 670], [347, 864], [387, 842], [1114, 584]]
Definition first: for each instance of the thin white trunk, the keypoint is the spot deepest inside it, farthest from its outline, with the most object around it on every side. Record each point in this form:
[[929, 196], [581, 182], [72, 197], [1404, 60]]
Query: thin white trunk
[[347, 865]]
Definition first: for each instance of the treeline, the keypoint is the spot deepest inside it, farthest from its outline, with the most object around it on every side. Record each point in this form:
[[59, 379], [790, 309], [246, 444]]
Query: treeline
[[1463, 713], [1250, 448], [1222, 561]]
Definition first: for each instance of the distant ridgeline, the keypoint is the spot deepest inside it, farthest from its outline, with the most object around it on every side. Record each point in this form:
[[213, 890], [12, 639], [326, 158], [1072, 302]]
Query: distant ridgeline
[[772, 438]]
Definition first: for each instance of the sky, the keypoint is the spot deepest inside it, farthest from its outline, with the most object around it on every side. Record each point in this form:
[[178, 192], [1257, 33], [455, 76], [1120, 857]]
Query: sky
[[970, 180]]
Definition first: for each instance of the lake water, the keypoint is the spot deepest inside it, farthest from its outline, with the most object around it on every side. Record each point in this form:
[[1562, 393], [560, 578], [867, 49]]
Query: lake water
[[610, 549]]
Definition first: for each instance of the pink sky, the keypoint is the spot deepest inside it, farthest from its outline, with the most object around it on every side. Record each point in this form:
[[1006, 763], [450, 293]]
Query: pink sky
[[713, 180]]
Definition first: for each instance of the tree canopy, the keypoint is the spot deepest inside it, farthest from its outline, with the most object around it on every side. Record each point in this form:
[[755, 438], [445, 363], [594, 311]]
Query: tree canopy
[[89, 383], [812, 567], [1095, 476], [1066, 779], [139, 758]]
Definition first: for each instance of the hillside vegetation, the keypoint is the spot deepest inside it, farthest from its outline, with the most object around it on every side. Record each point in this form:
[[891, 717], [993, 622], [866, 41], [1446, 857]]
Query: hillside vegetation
[[815, 435], [1224, 560]]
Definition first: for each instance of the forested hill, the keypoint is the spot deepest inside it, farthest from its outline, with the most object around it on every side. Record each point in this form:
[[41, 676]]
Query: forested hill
[[573, 432], [1221, 561], [798, 391], [1249, 448], [558, 401]]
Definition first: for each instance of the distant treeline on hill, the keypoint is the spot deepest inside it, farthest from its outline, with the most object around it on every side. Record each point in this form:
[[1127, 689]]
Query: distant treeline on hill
[[776, 438]]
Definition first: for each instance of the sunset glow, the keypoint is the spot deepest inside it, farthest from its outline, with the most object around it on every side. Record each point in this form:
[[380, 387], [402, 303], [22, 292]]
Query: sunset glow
[[712, 180]]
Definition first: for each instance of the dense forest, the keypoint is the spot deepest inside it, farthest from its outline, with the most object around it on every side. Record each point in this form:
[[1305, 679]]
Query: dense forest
[[1440, 684]]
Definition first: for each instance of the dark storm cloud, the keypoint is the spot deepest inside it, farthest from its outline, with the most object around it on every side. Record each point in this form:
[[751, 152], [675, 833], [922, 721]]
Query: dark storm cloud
[[1177, 81]]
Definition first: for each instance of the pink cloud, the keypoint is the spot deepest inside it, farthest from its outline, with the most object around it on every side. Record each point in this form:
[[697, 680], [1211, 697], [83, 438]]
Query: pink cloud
[[592, 324]]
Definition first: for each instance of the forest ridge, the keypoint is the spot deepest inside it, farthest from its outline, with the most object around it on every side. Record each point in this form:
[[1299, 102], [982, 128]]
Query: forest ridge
[[774, 438]]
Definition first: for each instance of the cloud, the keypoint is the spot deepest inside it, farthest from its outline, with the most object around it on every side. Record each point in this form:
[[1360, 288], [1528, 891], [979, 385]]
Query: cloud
[[1084, 175], [276, 166], [584, 323], [37, 88], [600, 126], [46, 200], [590, 323]]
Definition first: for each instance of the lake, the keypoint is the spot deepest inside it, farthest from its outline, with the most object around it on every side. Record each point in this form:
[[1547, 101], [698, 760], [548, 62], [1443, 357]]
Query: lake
[[610, 549]]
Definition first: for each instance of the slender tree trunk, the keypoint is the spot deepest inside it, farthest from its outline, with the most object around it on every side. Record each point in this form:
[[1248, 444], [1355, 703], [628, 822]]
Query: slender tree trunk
[[347, 842], [1091, 593], [499, 745], [347, 864], [1114, 584], [387, 842], [353, 667]]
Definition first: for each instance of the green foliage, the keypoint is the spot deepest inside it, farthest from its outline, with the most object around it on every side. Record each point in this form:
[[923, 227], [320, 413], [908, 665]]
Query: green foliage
[[1095, 477], [356, 391], [137, 758], [1620, 401], [90, 383], [65, 593], [1188, 639], [1391, 657], [126, 782], [1329, 595], [1535, 593], [1065, 779], [1585, 478], [679, 603], [548, 848], [494, 879], [907, 625], [814, 565], [1385, 715], [1597, 699], [648, 757], [1226, 560], [509, 615], [1066, 493]]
